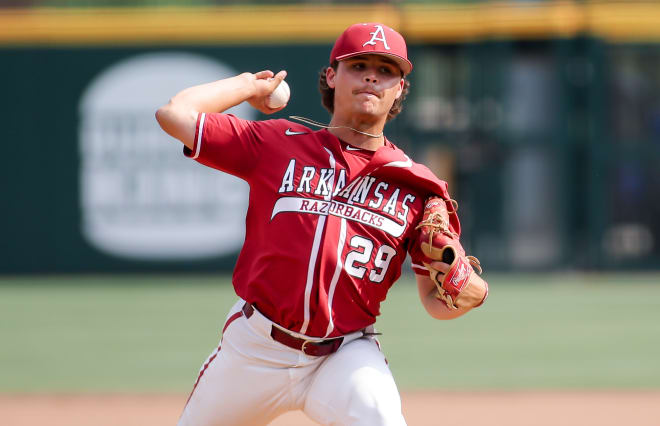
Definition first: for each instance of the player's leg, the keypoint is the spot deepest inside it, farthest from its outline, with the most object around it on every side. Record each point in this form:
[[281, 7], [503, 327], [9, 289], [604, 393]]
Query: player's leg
[[354, 386], [244, 384]]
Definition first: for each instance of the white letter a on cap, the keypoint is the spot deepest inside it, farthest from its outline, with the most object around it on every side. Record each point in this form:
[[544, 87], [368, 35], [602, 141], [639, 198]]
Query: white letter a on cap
[[374, 37]]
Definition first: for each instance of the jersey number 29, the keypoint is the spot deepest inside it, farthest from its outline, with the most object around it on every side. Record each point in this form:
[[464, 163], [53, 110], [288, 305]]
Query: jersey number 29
[[358, 258]]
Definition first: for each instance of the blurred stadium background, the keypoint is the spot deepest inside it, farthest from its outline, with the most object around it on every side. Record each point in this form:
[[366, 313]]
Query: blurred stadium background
[[543, 116]]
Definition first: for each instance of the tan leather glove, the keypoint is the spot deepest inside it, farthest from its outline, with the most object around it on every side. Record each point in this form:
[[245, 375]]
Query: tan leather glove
[[460, 287]]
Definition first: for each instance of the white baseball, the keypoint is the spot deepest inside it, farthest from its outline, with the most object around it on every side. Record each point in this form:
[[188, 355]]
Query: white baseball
[[279, 97]]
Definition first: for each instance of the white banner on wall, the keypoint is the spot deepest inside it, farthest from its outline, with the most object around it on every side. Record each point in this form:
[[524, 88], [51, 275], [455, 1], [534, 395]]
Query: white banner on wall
[[140, 197]]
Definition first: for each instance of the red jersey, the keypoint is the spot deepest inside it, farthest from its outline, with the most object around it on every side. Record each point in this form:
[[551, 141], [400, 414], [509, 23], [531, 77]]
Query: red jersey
[[328, 226]]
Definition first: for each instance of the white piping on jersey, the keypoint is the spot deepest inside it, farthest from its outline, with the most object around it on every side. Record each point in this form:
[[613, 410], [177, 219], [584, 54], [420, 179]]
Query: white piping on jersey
[[310, 270], [199, 136], [311, 267], [328, 197], [339, 266], [402, 164], [335, 276]]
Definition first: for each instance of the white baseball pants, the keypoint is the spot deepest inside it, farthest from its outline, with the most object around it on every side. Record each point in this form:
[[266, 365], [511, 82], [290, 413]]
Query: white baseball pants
[[251, 379]]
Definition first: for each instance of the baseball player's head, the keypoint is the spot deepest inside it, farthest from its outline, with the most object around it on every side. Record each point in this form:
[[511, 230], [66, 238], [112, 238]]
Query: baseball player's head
[[368, 66]]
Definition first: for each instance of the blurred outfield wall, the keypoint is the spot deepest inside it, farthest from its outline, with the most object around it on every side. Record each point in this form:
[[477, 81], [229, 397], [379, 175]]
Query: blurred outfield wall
[[544, 117]]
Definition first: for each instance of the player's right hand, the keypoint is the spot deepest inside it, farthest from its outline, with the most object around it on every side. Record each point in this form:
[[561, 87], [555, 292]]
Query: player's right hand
[[263, 84]]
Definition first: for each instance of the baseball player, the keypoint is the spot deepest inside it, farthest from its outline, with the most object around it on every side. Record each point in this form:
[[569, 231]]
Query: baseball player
[[332, 215]]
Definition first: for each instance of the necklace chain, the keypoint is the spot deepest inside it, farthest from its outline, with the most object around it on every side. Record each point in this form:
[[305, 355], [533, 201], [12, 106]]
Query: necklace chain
[[317, 124]]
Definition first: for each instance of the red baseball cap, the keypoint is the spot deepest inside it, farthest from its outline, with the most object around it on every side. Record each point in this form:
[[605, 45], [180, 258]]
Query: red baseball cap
[[372, 38]]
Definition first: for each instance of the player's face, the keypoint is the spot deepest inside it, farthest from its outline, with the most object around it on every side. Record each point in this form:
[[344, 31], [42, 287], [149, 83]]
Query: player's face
[[365, 84]]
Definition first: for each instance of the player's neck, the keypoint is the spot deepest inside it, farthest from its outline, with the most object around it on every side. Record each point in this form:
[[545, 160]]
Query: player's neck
[[359, 133]]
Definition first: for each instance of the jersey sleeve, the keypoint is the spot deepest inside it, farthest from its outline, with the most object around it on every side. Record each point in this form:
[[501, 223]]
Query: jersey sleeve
[[417, 257], [226, 143], [414, 247]]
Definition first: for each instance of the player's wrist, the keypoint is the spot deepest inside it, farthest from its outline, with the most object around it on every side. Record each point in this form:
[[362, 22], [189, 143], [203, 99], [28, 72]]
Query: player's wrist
[[246, 85]]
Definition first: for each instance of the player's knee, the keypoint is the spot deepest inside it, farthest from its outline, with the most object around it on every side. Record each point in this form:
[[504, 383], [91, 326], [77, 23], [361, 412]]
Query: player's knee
[[369, 407]]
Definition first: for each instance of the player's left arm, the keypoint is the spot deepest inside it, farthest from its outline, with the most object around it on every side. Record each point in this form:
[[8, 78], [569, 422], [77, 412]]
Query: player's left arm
[[453, 285], [428, 293]]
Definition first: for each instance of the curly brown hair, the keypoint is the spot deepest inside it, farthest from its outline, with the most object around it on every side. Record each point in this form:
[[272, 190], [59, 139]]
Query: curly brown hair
[[328, 94]]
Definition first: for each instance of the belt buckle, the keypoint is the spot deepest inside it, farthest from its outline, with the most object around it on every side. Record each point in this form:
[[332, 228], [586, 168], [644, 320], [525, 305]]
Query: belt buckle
[[302, 348]]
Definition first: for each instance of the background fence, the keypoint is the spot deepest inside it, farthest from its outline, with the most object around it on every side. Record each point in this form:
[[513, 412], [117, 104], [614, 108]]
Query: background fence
[[543, 116]]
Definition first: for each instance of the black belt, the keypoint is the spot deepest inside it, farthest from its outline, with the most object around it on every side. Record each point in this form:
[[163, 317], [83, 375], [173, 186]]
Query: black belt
[[308, 347]]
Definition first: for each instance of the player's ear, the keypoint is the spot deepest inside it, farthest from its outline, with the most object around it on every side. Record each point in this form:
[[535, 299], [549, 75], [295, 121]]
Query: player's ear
[[330, 74], [402, 83]]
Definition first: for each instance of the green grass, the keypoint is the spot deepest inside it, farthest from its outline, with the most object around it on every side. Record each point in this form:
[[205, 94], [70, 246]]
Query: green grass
[[534, 332], [151, 333]]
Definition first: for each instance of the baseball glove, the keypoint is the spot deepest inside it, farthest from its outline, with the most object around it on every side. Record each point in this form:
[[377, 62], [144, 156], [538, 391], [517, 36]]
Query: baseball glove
[[460, 287]]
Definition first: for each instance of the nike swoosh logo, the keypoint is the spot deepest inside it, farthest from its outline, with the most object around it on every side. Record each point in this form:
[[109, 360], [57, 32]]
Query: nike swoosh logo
[[290, 132], [350, 148]]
